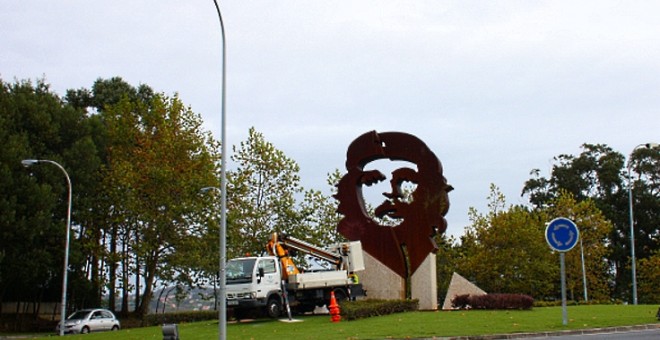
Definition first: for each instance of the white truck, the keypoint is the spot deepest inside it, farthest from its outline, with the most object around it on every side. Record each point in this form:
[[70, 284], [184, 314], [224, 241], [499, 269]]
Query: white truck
[[272, 283]]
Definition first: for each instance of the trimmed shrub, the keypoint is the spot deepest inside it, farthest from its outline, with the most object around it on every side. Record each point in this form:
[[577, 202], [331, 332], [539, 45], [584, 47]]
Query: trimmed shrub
[[179, 317], [461, 301], [556, 303], [25, 323], [493, 301], [352, 310]]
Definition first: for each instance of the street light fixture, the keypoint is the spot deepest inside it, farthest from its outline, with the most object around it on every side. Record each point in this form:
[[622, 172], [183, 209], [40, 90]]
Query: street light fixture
[[207, 189], [31, 162], [632, 222]]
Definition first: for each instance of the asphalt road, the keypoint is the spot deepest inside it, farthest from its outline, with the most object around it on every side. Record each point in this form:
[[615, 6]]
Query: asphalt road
[[648, 334], [639, 332]]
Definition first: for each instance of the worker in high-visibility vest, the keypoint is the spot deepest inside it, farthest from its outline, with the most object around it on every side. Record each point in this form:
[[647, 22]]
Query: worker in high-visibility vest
[[354, 277]]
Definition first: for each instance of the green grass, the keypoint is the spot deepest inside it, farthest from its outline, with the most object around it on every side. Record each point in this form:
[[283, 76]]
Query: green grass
[[412, 324]]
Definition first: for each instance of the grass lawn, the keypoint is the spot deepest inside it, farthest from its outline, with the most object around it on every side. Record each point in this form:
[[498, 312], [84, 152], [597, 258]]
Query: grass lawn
[[412, 324]]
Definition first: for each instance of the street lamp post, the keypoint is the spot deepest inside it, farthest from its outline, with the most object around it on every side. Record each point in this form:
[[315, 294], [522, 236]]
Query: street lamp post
[[222, 322], [584, 273], [632, 221], [222, 308], [28, 163]]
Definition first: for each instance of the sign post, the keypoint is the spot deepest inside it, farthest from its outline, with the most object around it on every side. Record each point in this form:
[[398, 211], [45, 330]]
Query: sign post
[[562, 235]]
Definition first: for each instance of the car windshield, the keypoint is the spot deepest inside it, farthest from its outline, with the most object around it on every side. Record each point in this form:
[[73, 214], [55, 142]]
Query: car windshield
[[240, 270], [79, 315]]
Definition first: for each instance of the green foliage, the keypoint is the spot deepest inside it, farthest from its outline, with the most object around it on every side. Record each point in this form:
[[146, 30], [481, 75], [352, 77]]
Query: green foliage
[[179, 317], [17, 323], [600, 174], [493, 301], [318, 218], [137, 160], [596, 172], [558, 303], [505, 251], [648, 277], [594, 232], [261, 194], [158, 160], [353, 310], [447, 260], [35, 123]]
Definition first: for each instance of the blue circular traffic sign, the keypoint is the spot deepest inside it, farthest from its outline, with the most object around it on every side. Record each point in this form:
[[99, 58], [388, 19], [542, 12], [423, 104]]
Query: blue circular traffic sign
[[562, 234]]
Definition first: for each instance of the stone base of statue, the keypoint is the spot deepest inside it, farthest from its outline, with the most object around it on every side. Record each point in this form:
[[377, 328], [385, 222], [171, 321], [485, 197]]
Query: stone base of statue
[[381, 282], [424, 284], [460, 286]]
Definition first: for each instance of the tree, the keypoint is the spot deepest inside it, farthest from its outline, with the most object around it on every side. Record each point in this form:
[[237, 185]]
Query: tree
[[595, 173], [36, 123], [159, 157], [261, 195], [448, 257], [318, 213], [594, 236], [600, 174], [99, 237], [505, 251], [648, 278]]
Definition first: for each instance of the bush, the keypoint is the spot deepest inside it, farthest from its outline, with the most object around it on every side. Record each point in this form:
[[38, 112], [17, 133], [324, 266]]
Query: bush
[[461, 301], [557, 303], [179, 317], [25, 323], [493, 301], [352, 310]]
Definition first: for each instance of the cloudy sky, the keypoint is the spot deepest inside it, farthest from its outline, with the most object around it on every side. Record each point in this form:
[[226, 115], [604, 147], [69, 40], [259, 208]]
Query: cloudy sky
[[495, 88]]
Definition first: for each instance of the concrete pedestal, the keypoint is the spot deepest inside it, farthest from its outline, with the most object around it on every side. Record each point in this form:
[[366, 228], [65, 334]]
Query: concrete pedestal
[[381, 282], [424, 284]]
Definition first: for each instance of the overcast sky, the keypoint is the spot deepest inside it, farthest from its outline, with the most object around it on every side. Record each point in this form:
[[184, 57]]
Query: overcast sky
[[494, 88]]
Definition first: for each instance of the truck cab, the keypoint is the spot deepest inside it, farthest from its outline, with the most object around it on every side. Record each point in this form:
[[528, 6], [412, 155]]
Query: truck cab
[[254, 283]]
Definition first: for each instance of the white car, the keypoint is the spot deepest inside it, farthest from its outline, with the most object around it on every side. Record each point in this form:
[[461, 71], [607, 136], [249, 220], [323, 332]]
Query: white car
[[90, 320]]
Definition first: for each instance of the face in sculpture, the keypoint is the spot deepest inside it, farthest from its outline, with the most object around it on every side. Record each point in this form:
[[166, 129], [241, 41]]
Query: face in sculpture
[[415, 205], [388, 190]]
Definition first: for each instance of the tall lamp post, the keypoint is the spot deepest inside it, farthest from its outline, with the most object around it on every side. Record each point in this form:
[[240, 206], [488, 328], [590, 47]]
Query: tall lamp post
[[222, 322], [632, 221], [222, 308], [28, 163]]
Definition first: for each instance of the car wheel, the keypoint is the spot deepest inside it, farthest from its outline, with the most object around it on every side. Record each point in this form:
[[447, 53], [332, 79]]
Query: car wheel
[[115, 328], [84, 330], [274, 307]]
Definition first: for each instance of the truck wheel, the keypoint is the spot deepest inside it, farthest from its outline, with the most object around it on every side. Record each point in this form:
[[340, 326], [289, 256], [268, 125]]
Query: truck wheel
[[340, 295], [274, 307]]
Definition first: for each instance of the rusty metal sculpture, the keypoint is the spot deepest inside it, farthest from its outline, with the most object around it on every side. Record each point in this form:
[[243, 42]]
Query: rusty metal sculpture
[[420, 219]]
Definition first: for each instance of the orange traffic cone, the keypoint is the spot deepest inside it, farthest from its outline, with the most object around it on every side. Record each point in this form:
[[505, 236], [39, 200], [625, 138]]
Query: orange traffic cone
[[334, 308]]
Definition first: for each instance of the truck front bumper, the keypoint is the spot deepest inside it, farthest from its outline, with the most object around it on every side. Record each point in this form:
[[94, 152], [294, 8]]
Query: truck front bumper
[[246, 303]]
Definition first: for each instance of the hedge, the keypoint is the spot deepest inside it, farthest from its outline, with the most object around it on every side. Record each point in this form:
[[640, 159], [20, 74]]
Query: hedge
[[493, 301], [352, 310], [179, 317]]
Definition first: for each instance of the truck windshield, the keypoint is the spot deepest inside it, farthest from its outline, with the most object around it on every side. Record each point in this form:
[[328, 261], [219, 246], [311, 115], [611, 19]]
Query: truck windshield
[[240, 270]]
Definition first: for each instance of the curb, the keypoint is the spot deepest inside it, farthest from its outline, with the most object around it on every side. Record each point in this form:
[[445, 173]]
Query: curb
[[587, 331]]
